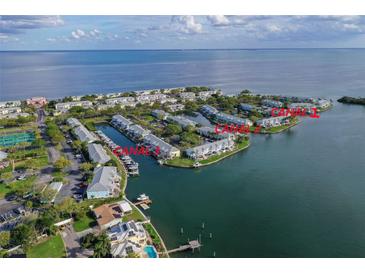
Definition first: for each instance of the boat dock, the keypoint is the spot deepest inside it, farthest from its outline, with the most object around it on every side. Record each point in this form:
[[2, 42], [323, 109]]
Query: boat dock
[[191, 245]]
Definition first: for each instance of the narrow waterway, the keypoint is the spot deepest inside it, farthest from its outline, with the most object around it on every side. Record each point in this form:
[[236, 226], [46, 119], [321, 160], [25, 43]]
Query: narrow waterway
[[295, 194]]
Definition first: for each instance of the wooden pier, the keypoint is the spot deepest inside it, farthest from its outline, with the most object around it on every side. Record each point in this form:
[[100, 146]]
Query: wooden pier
[[146, 202], [192, 245]]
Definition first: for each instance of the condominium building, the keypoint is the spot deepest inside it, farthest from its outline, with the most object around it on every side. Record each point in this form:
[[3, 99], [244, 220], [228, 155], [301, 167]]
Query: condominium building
[[64, 107], [166, 151], [210, 149], [182, 121], [98, 154], [105, 183]]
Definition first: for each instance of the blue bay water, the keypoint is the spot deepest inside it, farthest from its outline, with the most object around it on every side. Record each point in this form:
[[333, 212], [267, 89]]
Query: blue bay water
[[300, 193]]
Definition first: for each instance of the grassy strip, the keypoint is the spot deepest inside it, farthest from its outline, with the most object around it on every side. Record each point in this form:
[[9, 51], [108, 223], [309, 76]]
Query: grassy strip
[[278, 129], [51, 248], [180, 162], [85, 222]]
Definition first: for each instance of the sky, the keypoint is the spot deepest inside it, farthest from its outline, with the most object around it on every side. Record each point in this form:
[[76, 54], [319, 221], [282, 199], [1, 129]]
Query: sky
[[180, 32]]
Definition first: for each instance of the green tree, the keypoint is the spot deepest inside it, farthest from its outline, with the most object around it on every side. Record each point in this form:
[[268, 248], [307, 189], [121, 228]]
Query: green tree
[[23, 234], [4, 239], [86, 166], [102, 247], [172, 129], [62, 163]]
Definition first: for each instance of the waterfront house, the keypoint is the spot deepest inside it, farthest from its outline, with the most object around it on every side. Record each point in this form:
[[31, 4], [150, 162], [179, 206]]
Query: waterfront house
[[176, 107], [108, 215], [120, 122], [210, 133], [307, 106], [209, 149], [64, 107], [208, 111], [127, 237], [273, 121], [204, 95], [247, 108], [166, 151], [187, 96], [98, 154], [231, 119], [105, 183], [272, 103], [159, 114], [182, 121], [84, 135], [137, 132], [73, 122]]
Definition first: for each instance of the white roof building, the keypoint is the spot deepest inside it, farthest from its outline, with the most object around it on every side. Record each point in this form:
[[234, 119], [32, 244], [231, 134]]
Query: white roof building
[[73, 122], [98, 154], [119, 100], [272, 103], [84, 135], [272, 121], [230, 119], [10, 110], [210, 149], [187, 96], [182, 121], [121, 122], [166, 150], [7, 104], [137, 131], [176, 107], [105, 183], [64, 107]]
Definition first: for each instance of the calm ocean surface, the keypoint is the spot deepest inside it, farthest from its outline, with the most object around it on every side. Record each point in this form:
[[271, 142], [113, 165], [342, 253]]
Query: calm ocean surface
[[296, 194], [304, 72]]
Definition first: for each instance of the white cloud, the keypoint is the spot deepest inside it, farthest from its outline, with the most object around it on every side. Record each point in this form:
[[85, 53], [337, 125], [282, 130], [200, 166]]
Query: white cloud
[[218, 20], [186, 24]]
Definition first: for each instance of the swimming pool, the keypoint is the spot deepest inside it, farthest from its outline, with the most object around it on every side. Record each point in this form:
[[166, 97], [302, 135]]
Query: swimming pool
[[151, 251]]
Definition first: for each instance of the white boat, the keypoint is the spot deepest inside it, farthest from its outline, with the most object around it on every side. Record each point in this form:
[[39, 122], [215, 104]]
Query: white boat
[[143, 197]]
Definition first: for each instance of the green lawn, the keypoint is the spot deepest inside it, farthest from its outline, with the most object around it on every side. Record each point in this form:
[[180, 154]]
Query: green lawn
[[4, 189], [84, 223], [51, 248], [135, 215], [280, 128], [182, 162]]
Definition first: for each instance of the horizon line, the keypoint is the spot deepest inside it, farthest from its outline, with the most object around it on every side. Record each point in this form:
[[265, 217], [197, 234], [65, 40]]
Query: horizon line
[[177, 49]]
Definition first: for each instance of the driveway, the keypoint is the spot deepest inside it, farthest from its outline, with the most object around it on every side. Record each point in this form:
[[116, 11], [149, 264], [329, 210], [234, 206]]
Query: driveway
[[74, 176], [72, 244]]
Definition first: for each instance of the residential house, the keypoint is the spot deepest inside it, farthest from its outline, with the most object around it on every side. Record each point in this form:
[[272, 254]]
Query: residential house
[[182, 121], [98, 154], [208, 111], [120, 122], [84, 135], [159, 114], [176, 107], [210, 133], [108, 215], [8, 104], [64, 107], [126, 238], [137, 132], [166, 151], [272, 103], [204, 95], [210, 149], [273, 121], [187, 96], [105, 183], [73, 122], [231, 119]]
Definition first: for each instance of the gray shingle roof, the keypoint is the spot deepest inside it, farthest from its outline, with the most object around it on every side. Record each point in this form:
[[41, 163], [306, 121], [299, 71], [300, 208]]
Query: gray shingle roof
[[98, 154]]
